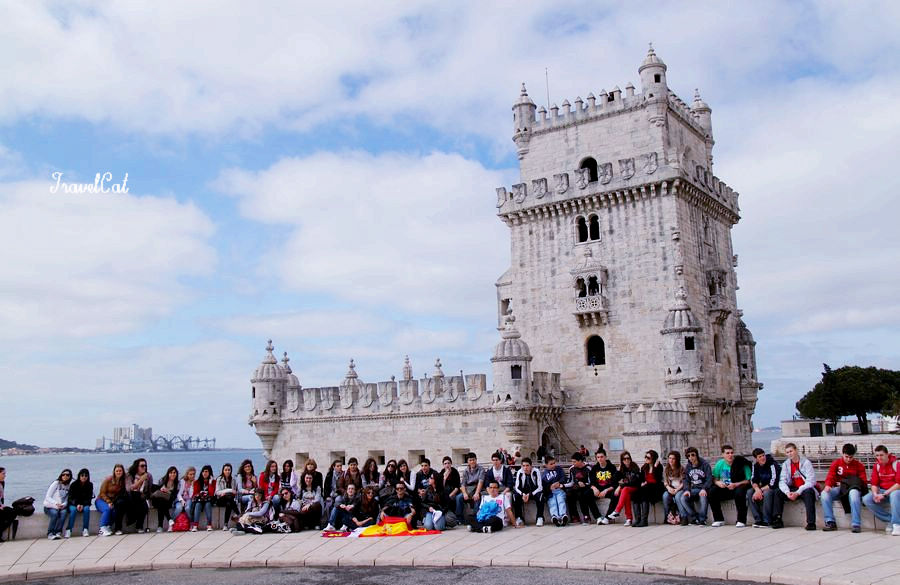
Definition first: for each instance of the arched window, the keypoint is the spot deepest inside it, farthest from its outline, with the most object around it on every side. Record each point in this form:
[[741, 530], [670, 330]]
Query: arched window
[[582, 289], [596, 351], [594, 227], [593, 287], [515, 372], [590, 164], [581, 229]]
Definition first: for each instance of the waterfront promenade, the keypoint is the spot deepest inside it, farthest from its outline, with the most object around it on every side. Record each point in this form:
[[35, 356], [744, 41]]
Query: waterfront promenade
[[791, 556]]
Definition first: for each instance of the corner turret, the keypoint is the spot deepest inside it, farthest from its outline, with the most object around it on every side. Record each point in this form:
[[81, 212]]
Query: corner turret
[[268, 395], [523, 121], [512, 366], [653, 77]]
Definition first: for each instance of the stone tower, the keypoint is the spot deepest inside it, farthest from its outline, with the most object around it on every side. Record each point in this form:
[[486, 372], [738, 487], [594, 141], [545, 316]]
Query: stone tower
[[622, 270]]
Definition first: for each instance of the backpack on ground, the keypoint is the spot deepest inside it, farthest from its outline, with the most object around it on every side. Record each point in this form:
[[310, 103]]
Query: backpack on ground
[[24, 506], [182, 523]]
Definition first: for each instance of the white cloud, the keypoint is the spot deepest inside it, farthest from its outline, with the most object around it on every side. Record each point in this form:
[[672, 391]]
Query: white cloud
[[419, 234], [80, 265]]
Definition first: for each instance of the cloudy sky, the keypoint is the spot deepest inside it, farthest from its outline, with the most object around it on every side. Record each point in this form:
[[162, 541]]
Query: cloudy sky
[[323, 174]]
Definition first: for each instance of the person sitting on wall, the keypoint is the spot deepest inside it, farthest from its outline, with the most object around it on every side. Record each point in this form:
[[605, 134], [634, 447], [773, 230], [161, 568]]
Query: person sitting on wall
[[698, 480], [604, 480], [731, 481], [472, 484], [578, 491], [427, 477], [451, 482], [502, 475], [494, 513], [846, 480], [552, 480], [650, 490], [764, 483], [352, 475], [797, 482], [527, 488], [884, 499]]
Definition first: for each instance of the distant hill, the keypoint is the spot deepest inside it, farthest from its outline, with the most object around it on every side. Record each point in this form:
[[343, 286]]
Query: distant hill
[[4, 444]]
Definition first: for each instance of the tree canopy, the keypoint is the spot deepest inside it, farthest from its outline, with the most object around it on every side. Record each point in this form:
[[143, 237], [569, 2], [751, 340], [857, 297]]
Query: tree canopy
[[852, 391]]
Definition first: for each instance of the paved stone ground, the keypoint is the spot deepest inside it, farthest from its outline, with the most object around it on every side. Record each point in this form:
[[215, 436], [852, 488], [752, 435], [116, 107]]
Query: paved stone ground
[[790, 556]]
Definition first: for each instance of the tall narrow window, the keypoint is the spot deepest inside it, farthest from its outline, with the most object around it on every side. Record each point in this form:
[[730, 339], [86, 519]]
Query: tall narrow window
[[594, 227], [581, 288], [590, 164], [689, 343], [593, 287], [581, 229], [596, 351], [717, 348]]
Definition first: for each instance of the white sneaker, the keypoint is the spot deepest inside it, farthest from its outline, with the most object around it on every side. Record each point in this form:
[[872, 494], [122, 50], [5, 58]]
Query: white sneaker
[[520, 522], [85, 532], [158, 529], [602, 520], [486, 529], [104, 531], [68, 534], [740, 525], [193, 529], [896, 530], [330, 528], [540, 522], [171, 524], [344, 528], [118, 533], [51, 537], [469, 528], [612, 515], [627, 521], [718, 523], [209, 527], [225, 528], [889, 529]]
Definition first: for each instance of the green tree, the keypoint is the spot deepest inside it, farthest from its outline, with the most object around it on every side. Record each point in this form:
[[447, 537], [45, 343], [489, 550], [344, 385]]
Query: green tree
[[851, 391]]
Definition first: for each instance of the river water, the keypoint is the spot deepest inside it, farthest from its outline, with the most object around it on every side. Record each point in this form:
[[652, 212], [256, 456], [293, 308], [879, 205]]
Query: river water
[[31, 475]]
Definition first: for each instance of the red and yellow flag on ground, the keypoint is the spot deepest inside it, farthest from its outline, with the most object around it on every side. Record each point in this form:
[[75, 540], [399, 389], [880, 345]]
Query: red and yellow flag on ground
[[389, 526]]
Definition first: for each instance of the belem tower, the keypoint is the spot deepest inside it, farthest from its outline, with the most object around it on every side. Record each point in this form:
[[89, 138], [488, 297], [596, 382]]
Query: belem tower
[[617, 318]]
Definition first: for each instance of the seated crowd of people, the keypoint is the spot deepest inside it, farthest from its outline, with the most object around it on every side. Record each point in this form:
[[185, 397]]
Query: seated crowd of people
[[486, 499]]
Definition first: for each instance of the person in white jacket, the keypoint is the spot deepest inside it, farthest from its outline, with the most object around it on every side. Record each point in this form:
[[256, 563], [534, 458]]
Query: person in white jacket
[[185, 495], [528, 487], [56, 504], [797, 482]]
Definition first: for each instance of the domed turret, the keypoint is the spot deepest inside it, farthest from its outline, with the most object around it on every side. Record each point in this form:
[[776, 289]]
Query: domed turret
[[680, 317], [351, 386], [703, 112], [293, 383], [653, 77], [268, 390], [512, 366], [681, 344], [523, 122]]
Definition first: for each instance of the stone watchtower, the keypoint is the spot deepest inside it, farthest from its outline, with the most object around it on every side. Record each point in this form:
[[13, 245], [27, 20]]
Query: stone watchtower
[[622, 270]]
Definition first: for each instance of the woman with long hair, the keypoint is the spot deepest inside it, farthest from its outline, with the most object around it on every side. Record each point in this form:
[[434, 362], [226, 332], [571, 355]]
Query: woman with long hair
[[138, 483], [204, 491], [109, 501], [81, 493], [288, 478], [629, 482], [56, 504], [226, 495], [163, 499], [184, 501], [651, 489], [247, 483], [258, 513], [370, 475], [310, 502], [405, 473], [313, 467], [270, 482], [366, 512], [673, 482]]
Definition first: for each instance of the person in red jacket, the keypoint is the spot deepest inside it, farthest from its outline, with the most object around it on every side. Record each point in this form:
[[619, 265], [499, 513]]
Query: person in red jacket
[[884, 497], [270, 483], [204, 490], [848, 476]]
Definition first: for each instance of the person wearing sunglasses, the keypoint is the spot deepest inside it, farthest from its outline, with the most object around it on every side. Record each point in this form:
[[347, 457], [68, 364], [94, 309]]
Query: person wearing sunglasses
[[56, 504], [698, 481], [629, 482], [138, 487], [400, 505], [81, 493]]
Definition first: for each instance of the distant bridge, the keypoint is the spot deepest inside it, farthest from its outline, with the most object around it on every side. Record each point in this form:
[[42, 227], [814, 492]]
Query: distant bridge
[[163, 443]]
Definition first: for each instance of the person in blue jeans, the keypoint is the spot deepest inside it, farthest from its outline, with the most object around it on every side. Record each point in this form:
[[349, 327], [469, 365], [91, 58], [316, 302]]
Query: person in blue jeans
[[553, 478], [204, 490], [884, 497], [56, 504], [698, 480], [81, 493]]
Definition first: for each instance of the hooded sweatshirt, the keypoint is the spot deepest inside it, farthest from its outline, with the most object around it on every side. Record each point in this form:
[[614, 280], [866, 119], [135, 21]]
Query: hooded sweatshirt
[[604, 477], [551, 476], [766, 474], [698, 477], [805, 473]]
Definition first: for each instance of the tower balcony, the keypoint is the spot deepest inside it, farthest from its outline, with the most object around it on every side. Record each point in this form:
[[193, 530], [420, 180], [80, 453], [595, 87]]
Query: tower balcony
[[592, 310]]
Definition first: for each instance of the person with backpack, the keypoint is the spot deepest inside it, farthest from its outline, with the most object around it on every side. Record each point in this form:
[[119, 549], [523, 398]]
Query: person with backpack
[[884, 497], [81, 494], [846, 481], [56, 504], [527, 487], [185, 498]]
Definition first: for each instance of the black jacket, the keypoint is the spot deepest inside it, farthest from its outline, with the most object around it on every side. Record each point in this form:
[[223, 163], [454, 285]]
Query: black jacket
[[81, 494], [766, 475], [507, 480]]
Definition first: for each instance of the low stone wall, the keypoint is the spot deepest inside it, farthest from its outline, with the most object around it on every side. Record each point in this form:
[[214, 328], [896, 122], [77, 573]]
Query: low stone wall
[[830, 446], [794, 515]]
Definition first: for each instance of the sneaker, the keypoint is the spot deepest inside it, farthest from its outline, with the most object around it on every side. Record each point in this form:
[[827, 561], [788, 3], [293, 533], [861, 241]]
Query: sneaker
[[896, 530], [855, 529], [171, 524], [684, 522], [257, 528], [810, 526], [740, 525], [225, 528], [317, 527], [486, 530], [330, 528], [889, 529], [520, 522], [85, 532], [193, 529], [118, 533], [146, 530], [627, 521], [717, 523], [344, 528], [68, 534], [158, 529], [540, 522], [209, 528], [761, 524], [469, 528], [612, 515], [104, 531], [565, 520], [777, 523], [555, 520], [829, 527], [51, 536], [602, 520]]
